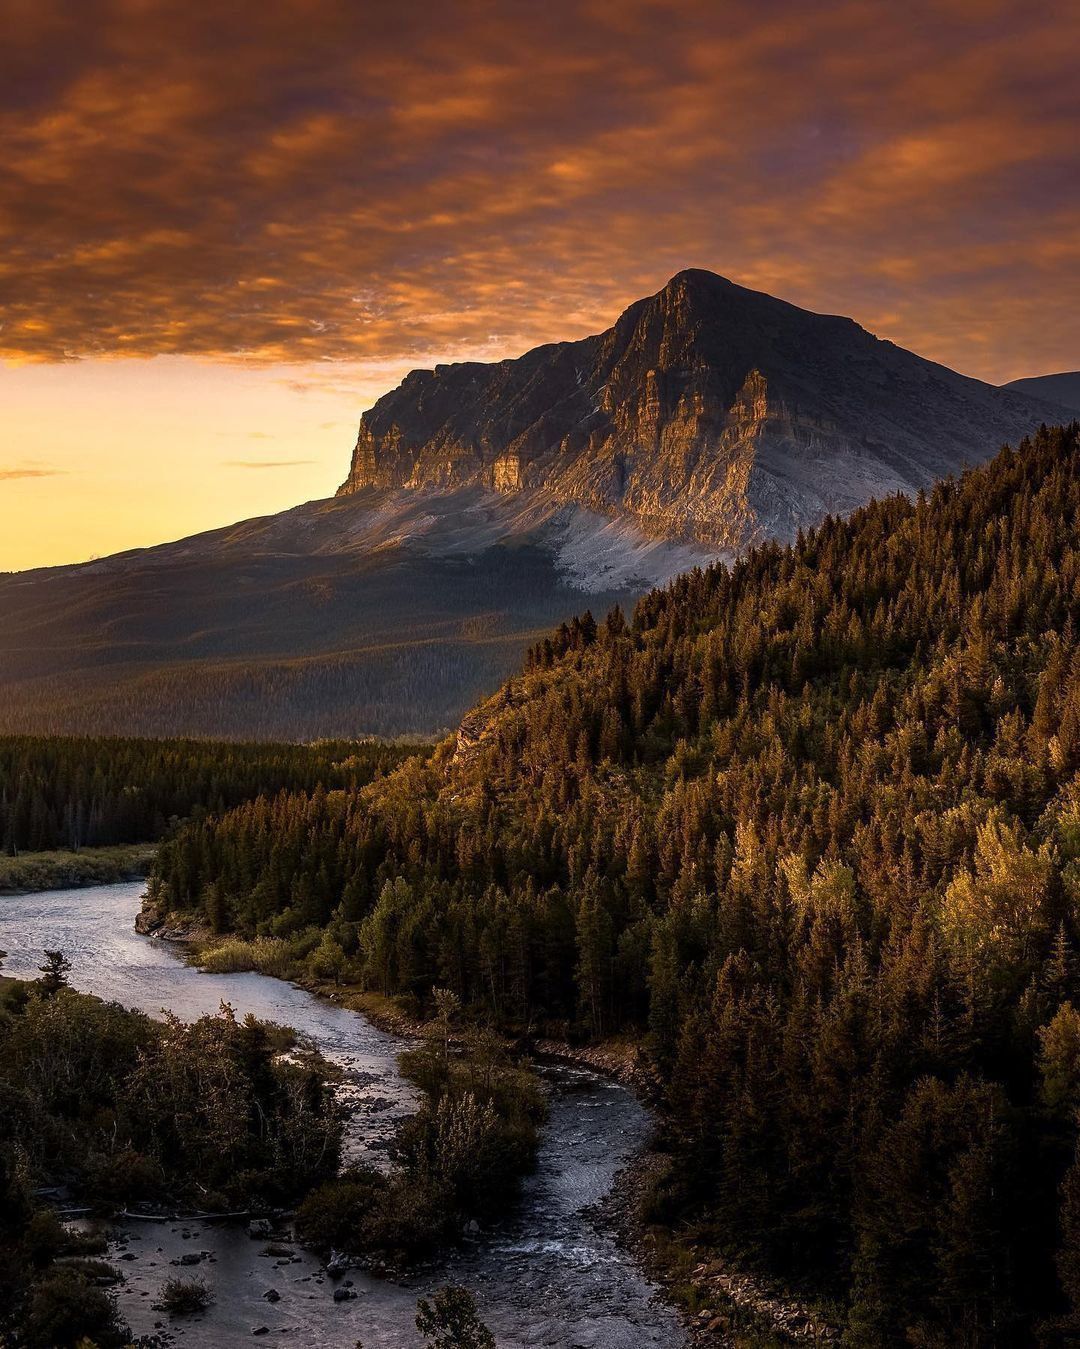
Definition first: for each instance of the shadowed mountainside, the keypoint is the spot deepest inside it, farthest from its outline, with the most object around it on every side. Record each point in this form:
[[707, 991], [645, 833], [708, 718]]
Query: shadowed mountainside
[[386, 613], [1063, 388]]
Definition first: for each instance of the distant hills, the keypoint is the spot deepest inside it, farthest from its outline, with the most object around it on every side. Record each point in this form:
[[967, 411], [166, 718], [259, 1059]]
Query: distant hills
[[386, 613], [1063, 388], [484, 504]]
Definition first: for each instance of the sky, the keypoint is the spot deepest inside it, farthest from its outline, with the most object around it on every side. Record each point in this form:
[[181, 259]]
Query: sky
[[226, 228]]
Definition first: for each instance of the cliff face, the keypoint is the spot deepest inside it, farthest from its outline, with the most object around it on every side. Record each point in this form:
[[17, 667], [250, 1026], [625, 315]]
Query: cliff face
[[708, 412]]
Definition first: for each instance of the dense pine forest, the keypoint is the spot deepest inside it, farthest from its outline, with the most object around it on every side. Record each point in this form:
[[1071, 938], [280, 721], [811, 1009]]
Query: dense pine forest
[[75, 792], [810, 826]]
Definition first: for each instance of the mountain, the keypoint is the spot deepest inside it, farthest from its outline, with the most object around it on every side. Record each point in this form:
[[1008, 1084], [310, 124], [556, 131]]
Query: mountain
[[708, 411], [484, 504], [388, 612], [1063, 388]]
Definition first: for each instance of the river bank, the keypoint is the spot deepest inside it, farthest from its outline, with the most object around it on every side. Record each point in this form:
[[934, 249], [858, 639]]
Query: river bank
[[60, 869], [718, 1306], [550, 1274]]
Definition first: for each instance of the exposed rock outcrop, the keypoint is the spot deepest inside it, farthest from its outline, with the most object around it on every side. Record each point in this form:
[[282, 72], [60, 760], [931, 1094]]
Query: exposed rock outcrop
[[707, 412]]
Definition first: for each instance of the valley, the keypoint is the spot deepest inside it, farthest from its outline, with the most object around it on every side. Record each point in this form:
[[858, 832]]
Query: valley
[[539, 675]]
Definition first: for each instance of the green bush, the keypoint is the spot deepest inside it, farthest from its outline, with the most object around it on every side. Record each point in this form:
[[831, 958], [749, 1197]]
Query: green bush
[[460, 1156], [65, 1309], [341, 1213], [450, 1321]]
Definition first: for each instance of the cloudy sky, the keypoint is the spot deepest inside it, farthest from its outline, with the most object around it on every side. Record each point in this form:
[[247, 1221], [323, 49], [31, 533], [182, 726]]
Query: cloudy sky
[[225, 228]]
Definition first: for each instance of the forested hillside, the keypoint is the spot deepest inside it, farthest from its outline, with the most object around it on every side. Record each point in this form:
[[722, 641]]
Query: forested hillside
[[810, 825], [74, 792]]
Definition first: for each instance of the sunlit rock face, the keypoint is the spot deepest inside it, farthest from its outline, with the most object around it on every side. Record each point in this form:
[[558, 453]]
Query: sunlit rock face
[[708, 412]]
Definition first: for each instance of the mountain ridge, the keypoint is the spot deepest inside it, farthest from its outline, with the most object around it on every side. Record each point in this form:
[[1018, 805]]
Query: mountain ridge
[[707, 411], [1063, 388], [486, 504]]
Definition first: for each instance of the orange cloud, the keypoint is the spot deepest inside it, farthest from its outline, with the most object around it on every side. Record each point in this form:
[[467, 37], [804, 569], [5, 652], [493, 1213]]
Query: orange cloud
[[266, 463], [316, 180], [16, 474]]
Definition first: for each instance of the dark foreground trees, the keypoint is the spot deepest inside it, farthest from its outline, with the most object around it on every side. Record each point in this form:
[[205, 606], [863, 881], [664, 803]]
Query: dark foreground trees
[[121, 1108]]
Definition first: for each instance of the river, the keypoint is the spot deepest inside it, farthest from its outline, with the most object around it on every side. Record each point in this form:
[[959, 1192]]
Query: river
[[547, 1275]]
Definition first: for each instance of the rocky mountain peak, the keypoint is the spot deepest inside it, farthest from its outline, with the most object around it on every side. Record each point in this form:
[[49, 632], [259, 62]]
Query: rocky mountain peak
[[707, 411]]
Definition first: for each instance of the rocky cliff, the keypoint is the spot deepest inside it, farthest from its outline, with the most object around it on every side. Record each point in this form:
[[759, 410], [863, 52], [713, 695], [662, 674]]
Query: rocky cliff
[[707, 412]]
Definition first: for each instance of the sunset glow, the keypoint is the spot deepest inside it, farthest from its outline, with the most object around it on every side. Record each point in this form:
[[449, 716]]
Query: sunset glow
[[224, 231]]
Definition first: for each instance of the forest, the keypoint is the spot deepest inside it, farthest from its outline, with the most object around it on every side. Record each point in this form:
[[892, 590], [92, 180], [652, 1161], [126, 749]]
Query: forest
[[809, 827], [89, 792]]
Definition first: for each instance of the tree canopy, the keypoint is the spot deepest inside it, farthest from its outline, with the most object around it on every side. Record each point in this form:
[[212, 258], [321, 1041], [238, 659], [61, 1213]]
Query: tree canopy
[[810, 824]]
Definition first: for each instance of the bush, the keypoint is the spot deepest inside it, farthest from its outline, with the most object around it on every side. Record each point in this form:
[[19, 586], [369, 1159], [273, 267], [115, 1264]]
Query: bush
[[415, 1217], [184, 1297], [95, 1271], [44, 1238], [476, 1135], [339, 1214], [65, 1309], [450, 1321], [462, 1155], [279, 957]]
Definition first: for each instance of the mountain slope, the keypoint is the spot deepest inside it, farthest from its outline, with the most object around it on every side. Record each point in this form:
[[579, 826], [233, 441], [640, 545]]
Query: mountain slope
[[386, 613], [1063, 388], [808, 831], [707, 411]]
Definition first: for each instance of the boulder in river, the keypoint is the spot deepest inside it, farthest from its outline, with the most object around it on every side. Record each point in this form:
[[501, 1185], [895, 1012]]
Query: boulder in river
[[337, 1264]]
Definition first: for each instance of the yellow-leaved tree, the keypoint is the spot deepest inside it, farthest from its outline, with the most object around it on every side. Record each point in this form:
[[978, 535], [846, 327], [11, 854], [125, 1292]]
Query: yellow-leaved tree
[[998, 911]]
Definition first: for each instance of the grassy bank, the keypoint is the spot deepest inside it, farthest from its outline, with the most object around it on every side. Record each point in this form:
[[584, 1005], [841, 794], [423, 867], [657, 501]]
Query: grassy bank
[[60, 870]]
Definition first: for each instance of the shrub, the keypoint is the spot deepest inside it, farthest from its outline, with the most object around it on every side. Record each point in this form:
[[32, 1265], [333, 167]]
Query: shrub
[[339, 1213], [44, 1238], [450, 1321], [184, 1297], [65, 1309]]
